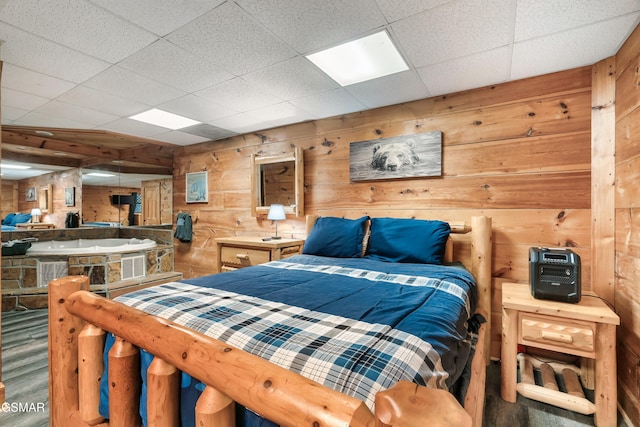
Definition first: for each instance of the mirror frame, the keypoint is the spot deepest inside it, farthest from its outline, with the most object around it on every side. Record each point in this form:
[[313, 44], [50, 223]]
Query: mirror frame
[[256, 183], [45, 198]]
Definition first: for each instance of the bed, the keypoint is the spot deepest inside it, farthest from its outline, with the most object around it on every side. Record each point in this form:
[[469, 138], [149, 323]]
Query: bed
[[10, 222], [316, 339]]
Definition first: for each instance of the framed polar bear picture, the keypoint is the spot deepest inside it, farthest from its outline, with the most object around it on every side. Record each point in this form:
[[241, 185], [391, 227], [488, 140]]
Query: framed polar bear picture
[[405, 156]]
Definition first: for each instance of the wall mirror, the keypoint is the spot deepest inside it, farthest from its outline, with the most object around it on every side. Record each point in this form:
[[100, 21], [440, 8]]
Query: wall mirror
[[278, 179], [45, 198]]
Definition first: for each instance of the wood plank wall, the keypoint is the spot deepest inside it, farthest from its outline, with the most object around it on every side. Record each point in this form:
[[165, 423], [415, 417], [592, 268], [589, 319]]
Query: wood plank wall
[[96, 204], [519, 152], [9, 194], [60, 181], [627, 223]]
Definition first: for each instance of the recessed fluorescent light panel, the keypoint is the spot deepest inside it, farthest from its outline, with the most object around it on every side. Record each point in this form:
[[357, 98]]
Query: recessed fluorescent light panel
[[11, 166], [164, 119], [360, 60], [100, 174]]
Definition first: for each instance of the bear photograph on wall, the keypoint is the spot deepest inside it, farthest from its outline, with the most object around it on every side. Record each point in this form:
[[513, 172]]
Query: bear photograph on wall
[[403, 156]]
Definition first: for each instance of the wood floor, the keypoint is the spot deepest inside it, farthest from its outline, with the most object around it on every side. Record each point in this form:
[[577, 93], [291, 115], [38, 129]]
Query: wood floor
[[24, 355]]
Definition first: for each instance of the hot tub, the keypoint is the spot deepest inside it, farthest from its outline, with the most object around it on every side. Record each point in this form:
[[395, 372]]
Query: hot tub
[[89, 246]]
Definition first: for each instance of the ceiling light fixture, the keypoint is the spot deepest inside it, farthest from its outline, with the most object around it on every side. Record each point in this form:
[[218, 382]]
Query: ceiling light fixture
[[43, 133], [101, 174], [10, 166], [360, 60], [164, 119]]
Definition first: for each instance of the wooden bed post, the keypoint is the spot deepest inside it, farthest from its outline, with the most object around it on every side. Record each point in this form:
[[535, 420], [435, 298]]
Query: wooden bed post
[[481, 269], [214, 408], [163, 394], [124, 384], [64, 329], [90, 369]]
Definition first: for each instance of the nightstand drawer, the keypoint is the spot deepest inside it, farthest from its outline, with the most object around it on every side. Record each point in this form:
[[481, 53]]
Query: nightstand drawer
[[556, 333], [244, 256]]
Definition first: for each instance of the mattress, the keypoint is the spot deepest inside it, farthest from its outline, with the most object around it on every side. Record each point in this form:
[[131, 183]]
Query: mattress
[[356, 325]]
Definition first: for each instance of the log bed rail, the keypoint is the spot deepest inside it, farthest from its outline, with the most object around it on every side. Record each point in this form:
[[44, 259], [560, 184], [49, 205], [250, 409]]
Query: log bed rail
[[78, 321]]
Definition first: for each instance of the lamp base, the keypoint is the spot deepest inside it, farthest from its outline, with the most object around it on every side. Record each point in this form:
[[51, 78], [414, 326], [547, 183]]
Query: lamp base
[[276, 238]]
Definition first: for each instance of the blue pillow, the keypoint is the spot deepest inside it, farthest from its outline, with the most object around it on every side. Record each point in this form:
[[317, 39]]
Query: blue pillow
[[336, 237], [7, 219], [19, 218], [408, 240]]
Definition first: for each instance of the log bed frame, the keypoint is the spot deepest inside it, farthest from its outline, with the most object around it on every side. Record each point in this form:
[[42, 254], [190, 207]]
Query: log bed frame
[[78, 320]]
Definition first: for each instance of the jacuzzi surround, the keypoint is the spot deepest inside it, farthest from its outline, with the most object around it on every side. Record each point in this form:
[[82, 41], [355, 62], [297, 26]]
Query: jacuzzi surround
[[89, 246]]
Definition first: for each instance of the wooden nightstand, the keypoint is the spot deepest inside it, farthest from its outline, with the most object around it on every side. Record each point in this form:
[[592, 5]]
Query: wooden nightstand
[[586, 329], [36, 225], [239, 252]]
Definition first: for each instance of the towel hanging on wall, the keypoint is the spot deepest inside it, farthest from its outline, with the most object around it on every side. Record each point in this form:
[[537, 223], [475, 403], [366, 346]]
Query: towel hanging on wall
[[184, 227]]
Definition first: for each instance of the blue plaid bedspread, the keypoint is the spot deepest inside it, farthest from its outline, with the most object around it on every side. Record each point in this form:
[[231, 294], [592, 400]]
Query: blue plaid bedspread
[[355, 325]]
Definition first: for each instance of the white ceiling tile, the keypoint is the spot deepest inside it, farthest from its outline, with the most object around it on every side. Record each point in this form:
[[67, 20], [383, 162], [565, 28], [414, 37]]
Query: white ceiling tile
[[35, 53], [329, 104], [228, 37], [394, 10], [197, 108], [469, 72], [10, 114], [80, 25], [102, 101], [62, 110], [46, 120], [130, 85], [313, 24], [388, 90], [184, 71], [205, 130], [16, 99], [238, 95], [240, 123], [179, 138], [535, 18], [33, 82], [455, 30], [575, 48], [292, 79], [134, 127], [159, 16], [281, 113]]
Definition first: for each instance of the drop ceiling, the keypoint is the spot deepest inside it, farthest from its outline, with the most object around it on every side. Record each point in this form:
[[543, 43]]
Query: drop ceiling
[[239, 66]]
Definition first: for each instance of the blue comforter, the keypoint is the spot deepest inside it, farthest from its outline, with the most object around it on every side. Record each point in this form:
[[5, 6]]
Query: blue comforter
[[356, 325]]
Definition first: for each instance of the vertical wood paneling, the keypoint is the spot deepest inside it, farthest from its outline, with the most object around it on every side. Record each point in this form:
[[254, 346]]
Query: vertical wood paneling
[[518, 151], [603, 116], [2, 391], [627, 221]]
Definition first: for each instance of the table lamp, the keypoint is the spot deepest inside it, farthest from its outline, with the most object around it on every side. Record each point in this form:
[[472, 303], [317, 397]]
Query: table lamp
[[276, 213], [35, 214]]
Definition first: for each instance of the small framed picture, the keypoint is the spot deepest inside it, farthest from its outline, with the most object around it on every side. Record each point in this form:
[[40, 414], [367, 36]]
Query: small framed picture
[[31, 194], [197, 187], [70, 196]]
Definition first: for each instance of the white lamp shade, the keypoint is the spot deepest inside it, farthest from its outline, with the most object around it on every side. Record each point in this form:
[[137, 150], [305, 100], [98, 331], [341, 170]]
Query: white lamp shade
[[276, 212], [36, 212]]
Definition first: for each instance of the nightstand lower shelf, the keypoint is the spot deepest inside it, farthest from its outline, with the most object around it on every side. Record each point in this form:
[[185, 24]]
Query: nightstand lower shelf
[[572, 399], [586, 329]]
